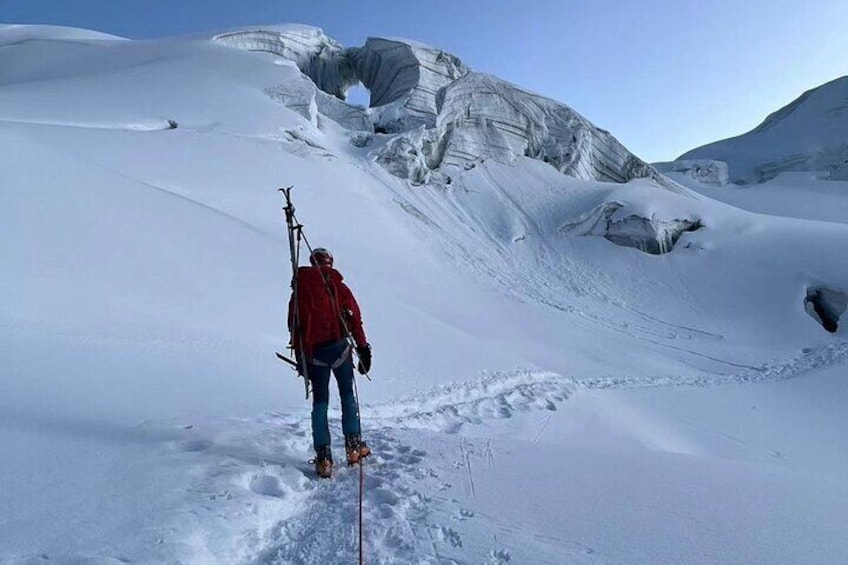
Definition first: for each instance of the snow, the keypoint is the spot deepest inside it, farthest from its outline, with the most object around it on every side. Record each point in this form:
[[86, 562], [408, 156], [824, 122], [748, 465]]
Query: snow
[[17, 34], [792, 195], [540, 394], [806, 135], [467, 116]]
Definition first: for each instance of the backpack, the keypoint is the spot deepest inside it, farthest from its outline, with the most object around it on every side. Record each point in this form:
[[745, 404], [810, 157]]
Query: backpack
[[318, 308]]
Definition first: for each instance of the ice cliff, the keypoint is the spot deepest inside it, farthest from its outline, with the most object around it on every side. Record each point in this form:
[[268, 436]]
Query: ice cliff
[[408, 74], [440, 113], [480, 116], [317, 56]]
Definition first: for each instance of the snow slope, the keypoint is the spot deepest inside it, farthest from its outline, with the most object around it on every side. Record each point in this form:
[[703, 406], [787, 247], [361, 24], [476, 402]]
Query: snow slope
[[806, 135], [525, 343]]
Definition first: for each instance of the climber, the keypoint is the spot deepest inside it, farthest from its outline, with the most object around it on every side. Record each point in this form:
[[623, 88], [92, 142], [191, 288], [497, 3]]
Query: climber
[[325, 327]]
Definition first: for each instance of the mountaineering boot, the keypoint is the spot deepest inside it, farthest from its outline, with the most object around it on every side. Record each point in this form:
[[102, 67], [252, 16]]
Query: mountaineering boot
[[356, 449], [324, 462]]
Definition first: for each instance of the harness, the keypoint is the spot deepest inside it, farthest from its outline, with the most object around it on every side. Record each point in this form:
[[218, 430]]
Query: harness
[[338, 362]]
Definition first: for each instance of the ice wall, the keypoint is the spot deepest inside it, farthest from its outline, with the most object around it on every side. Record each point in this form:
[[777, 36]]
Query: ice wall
[[316, 55], [482, 116], [467, 116], [406, 71]]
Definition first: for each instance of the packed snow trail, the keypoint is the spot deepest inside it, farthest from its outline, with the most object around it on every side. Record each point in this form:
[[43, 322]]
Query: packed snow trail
[[422, 501], [448, 464], [409, 515]]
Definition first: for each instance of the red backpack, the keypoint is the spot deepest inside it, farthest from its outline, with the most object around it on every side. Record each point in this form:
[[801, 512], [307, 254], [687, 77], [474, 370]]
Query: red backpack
[[320, 302]]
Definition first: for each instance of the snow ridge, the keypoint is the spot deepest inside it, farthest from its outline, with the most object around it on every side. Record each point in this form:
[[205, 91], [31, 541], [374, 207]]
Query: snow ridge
[[807, 134]]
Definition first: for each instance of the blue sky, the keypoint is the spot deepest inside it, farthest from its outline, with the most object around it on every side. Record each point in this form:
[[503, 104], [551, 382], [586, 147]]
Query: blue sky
[[663, 76]]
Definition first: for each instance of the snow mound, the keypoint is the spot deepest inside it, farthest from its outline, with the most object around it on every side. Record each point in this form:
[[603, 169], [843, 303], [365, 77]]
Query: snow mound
[[651, 235], [806, 135], [14, 34], [499, 395]]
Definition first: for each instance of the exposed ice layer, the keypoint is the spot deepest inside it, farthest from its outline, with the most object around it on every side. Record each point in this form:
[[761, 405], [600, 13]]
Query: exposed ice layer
[[395, 69], [300, 94], [409, 156], [361, 138], [403, 76], [346, 115], [650, 235], [826, 306], [316, 55], [481, 116], [296, 95], [806, 135], [705, 171], [474, 116]]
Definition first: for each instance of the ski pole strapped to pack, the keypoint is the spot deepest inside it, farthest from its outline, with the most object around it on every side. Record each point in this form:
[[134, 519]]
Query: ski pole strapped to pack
[[295, 231]]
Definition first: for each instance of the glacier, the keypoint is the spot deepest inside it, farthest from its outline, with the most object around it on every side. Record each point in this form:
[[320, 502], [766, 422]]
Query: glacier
[[468, 116], [517, 312]]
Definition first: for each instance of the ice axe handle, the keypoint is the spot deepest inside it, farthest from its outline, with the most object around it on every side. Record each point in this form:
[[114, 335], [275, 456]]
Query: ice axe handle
[[285, 359]]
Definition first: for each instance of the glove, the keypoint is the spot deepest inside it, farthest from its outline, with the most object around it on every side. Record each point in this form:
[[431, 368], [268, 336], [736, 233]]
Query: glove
[[364, 354]]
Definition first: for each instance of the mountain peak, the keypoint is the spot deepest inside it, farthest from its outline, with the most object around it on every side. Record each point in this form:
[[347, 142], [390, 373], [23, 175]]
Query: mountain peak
[[808, 134]]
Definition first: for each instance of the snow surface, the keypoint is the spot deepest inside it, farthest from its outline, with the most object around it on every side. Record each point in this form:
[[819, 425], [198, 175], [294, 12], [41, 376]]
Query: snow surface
[[805, 135], [792, 195], [541, 394]]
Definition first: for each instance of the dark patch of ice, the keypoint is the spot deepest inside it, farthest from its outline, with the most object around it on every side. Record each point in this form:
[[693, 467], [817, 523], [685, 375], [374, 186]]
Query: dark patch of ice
[[826, 306]]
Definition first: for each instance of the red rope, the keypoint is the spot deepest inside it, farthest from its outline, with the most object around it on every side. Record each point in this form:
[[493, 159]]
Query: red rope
[[361, 495]]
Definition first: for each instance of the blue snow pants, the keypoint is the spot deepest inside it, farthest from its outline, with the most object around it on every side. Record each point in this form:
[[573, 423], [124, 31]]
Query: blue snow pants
[[325, 359]]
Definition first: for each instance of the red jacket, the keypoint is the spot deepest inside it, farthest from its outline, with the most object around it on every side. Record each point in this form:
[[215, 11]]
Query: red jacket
[[322, 300]]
